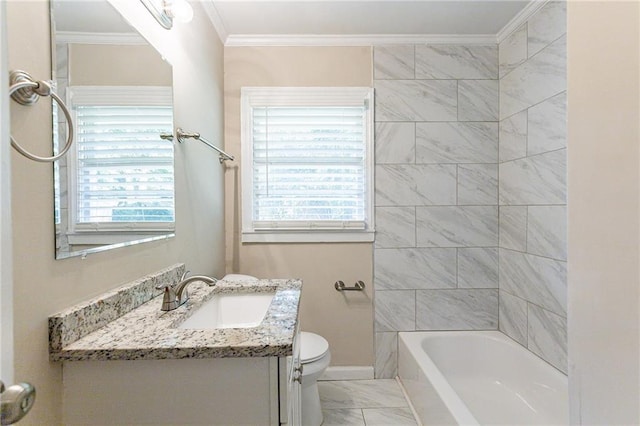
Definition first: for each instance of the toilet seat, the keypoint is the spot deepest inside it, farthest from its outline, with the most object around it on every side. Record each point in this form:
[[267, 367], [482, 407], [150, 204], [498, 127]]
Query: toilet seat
[[312, 347]]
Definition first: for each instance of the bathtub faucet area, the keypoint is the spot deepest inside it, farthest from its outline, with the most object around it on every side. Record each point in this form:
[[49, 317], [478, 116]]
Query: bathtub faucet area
[[176, 296]]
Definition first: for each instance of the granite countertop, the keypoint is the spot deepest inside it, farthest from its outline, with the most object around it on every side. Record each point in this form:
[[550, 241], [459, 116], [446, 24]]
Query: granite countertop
[[146, 332]]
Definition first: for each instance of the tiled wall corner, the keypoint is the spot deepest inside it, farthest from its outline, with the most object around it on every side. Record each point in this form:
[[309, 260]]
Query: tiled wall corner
[[532, 185], [436, 257]]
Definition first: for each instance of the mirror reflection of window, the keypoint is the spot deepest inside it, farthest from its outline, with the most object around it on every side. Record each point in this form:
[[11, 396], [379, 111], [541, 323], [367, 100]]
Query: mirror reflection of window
[[117, 185], [123, 170]]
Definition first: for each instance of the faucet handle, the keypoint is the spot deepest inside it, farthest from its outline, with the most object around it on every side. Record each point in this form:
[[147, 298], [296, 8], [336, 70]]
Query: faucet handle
[[169, 299]]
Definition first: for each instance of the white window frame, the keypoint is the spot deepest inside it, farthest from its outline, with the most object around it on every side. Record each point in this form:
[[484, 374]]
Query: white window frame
[[110, 233], [310, 97]]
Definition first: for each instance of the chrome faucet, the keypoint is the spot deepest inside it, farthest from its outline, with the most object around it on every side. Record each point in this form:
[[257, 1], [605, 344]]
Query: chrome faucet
[[177, 295]]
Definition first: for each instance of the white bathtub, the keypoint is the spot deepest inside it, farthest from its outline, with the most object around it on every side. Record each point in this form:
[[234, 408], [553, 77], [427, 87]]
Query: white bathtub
[[479, 378]]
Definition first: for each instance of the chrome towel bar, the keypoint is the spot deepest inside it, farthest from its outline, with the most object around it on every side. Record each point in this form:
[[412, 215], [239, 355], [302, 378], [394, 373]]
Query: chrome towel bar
[[340, 286], [182, 135], [26, 91]]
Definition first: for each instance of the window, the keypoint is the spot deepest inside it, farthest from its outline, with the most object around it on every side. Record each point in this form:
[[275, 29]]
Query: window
[[307, 161], [121, 174]]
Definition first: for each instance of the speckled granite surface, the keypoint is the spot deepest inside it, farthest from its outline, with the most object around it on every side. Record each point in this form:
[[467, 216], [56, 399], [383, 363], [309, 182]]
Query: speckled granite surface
[[149, 333], [67, 326]]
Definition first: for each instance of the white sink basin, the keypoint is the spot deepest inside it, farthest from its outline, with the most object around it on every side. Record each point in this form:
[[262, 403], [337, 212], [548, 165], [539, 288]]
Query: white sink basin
[[230, 310]]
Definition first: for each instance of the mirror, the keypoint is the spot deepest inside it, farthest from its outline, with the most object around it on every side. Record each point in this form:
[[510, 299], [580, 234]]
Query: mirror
[[115, 187]]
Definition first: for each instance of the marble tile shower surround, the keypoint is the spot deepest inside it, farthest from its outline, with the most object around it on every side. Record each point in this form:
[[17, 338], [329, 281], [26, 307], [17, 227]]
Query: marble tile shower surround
[[532, 185], [69, 325], [436, 189], [471, 189]]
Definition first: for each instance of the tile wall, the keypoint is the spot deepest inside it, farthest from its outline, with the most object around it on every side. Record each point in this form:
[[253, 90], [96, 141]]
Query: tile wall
[[471, 233], [436, 256], [532, 188]]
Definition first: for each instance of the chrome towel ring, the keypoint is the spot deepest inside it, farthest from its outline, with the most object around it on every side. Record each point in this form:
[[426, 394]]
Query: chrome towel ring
[[26, 91]]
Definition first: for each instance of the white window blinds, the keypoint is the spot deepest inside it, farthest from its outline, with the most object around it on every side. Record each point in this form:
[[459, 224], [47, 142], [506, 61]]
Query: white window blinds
[[309, 167], [307, 161], [124, 170]]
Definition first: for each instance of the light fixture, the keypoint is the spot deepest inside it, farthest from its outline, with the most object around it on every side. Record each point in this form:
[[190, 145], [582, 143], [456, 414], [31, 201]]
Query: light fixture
[[166, 11]]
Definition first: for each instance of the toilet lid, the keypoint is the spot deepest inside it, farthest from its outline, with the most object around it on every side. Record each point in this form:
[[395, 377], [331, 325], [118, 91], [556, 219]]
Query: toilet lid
[[312, 347]]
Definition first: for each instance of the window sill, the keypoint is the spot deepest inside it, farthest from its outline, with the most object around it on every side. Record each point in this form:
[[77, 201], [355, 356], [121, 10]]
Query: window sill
[[308, 237]]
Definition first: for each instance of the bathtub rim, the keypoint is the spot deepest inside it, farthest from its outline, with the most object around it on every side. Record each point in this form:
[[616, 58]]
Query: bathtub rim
[[456, 406], [412, 340]]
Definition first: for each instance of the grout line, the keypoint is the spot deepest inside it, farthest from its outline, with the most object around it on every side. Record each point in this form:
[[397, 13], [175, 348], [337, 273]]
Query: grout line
[[414, 61], [533, 254], [526, 230], [458, 100], [457, 268], [534, 304]]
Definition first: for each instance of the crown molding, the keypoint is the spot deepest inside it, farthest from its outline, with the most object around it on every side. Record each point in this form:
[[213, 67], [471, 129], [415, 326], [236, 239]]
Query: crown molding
[[523, 16], [355, 40], [216, 20], [76, 37]]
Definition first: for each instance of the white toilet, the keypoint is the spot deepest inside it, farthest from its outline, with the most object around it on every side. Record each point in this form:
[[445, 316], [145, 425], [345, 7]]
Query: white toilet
[[315, 358]]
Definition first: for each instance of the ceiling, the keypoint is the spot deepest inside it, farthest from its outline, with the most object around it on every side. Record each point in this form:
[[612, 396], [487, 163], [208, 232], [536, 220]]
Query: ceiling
[[375, 19]]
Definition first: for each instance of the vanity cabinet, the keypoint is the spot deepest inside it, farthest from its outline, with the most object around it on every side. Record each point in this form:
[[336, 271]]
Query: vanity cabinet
[[142, 368], [225, 391]]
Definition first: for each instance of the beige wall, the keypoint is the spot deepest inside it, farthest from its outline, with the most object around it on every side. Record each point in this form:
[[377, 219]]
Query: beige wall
[[345, 320], [112, 65], [43, 285], [604, 214]]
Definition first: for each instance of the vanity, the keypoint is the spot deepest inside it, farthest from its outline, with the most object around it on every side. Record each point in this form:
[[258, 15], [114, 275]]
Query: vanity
[[127, 362]]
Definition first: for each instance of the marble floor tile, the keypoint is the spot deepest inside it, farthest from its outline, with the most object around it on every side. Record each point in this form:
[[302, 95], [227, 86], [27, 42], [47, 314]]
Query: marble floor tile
[[388, 416], [343, 417], [381, 393]]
